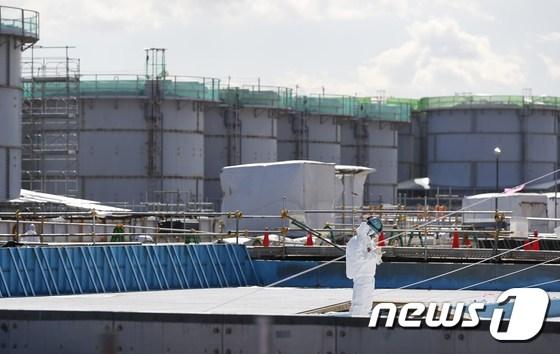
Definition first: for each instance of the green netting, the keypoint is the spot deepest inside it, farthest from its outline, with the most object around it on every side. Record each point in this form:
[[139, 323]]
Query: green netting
[[411, 102], [428, 103], [206, 89], [112, 87], [192, 89], [49, 89], [271, 98], [209, 89], [383, 111], [358, 107], [331, 105]]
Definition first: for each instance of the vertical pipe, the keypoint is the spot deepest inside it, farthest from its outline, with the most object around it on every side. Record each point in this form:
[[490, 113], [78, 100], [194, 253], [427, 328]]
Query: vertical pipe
[[352, 194], [236, 230], [93, 225], [495, 251], [556, 197]]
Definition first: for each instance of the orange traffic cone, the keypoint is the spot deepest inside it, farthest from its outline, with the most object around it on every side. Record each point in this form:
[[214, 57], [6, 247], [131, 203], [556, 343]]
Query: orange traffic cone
[[455, 242], [266, 239], [536, 245], [381, 240], [309, 241]]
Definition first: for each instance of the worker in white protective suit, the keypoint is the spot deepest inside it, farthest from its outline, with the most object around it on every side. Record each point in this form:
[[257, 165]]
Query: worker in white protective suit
[[362, 258], [31, 234]]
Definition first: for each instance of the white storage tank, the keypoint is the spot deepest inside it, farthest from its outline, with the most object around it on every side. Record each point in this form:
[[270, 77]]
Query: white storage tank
[[411, 149], [373, 144], [133, 149], [462, 132], [312, 130], [241, 130], [19, 28]]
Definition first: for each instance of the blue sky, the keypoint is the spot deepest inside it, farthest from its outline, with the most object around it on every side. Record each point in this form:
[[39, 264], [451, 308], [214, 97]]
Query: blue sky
[[396, 47]]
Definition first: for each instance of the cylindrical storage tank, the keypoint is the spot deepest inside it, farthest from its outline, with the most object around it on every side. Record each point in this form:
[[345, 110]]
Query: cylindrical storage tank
[[235, 136], [305, 136], [411, 149], [183, 148], [461, 141], [292, 134], [323, 138], [374, 144], [125, 157], [19, 29]]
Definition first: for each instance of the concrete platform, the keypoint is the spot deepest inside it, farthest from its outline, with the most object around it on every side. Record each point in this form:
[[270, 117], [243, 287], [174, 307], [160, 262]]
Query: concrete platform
[[234, 301], [237, 320], [245, 300]]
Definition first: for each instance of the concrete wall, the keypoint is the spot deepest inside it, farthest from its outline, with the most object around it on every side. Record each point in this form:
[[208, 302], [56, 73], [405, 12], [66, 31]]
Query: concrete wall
[[106, 332]]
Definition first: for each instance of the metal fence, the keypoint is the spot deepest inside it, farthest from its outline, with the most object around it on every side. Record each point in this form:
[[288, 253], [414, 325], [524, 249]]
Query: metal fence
[[39, 271]]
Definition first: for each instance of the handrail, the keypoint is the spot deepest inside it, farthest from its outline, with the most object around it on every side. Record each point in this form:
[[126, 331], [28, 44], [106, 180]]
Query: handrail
[[19, 22]]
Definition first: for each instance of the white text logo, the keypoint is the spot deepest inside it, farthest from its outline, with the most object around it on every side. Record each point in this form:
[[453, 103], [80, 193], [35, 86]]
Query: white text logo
[[527, 314]]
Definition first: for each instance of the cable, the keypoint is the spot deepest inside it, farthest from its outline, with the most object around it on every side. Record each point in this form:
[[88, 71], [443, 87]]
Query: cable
[[438, 218], [400, 234], [458, 269], [276, 283], [305, 271], [509, 274], [543, 283]]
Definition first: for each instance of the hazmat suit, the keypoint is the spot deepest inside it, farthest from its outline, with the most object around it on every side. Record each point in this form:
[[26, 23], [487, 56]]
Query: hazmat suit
[[31, 234], [362, 258]]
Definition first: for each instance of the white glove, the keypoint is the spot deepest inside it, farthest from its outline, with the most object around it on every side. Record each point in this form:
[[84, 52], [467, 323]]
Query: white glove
[[379, 254]]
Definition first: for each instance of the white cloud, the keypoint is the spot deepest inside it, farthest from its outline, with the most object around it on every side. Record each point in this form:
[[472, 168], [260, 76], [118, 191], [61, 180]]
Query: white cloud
[[470, 7], [552, 66], [315, 84], [551, 37], [145, 14], [439, 56], [413, 53]]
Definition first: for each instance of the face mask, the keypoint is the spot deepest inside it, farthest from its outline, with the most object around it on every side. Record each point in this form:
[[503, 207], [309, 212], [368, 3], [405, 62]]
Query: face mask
[[375, 224]]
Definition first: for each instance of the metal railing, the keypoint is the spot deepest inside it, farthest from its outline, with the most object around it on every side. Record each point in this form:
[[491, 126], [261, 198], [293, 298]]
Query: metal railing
[[196, 88], [352, 106], [258, 96], [89, 227], [19, 22], [428, 103]]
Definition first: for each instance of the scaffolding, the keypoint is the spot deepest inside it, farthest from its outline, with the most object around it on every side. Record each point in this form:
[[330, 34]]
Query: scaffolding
[[50, 123]]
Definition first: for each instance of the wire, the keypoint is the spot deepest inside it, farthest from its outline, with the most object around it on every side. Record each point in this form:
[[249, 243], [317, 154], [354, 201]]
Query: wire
[[458, 269], [510, 274], [438, 218], [305, 271], [543, 283], [276, 283], [400, 234]]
